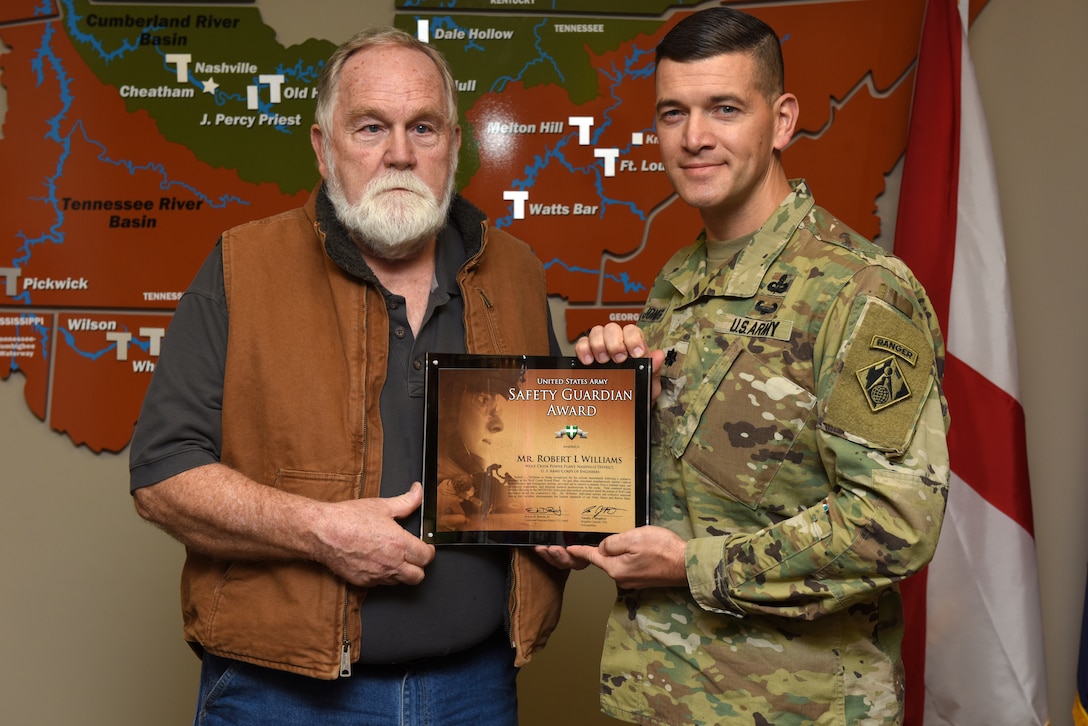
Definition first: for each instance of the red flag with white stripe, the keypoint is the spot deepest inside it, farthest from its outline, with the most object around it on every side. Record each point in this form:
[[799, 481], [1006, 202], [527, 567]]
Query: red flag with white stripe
[[974, 627]]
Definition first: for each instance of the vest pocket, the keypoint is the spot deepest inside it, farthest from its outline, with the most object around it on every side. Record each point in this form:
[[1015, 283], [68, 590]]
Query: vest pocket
[[288, 615], [324, 486]]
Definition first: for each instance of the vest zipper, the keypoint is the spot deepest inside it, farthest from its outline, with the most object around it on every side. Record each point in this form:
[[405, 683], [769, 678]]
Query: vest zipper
[[345, 648], [345, 642]]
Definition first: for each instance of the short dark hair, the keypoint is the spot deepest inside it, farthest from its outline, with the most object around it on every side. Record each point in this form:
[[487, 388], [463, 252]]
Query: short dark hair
[[715, 31]]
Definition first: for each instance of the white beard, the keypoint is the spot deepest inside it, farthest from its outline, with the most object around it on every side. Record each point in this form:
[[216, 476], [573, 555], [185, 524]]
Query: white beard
[[391, 225]]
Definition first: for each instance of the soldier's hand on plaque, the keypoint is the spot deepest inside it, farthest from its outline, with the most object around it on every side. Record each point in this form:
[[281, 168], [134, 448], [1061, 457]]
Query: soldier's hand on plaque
[[560, 557], [638, 558], [611, 342]]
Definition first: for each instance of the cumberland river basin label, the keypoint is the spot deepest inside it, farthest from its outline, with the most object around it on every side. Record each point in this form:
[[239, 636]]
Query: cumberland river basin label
[[534, 450]]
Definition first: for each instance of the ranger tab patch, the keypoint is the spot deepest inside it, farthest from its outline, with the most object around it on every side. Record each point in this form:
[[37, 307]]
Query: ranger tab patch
[[879, 342]]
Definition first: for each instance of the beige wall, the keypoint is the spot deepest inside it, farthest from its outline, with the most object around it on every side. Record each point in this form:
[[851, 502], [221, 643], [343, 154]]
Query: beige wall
[[1031, 62], [89, 625]]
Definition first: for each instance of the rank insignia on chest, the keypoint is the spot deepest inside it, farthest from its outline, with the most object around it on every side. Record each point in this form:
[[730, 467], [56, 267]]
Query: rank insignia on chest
[[883, 383]]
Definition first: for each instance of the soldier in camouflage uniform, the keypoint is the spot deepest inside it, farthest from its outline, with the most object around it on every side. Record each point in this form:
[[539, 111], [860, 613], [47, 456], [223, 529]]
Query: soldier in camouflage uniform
[[799, 461]]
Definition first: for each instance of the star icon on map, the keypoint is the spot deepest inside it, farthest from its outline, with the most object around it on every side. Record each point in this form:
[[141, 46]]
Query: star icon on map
[[210, 85]]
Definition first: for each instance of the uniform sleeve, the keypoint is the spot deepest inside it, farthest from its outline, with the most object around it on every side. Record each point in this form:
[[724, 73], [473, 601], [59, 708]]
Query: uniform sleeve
[[880, 432], [180, 425]]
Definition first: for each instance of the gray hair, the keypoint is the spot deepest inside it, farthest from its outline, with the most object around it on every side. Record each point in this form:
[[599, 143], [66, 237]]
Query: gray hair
[[376, 37]]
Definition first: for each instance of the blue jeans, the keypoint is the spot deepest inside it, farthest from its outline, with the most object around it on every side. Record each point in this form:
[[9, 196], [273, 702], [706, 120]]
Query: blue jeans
[[477, 687]]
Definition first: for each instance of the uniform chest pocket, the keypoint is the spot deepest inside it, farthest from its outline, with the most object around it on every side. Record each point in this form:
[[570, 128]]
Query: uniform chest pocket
[[741, 424]]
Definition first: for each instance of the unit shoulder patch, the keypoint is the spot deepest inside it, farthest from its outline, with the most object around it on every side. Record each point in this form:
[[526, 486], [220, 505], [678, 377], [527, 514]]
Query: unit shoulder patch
[[887, 368]]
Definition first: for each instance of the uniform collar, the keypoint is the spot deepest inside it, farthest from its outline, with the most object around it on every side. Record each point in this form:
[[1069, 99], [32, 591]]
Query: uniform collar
[[742, 276]]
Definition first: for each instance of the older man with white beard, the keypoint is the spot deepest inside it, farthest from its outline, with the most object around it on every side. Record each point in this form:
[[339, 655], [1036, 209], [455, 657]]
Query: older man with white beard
[[281, 437]]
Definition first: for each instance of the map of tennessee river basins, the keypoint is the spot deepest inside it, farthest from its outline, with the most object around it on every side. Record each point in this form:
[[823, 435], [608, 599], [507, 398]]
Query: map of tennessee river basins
[[135, 133]]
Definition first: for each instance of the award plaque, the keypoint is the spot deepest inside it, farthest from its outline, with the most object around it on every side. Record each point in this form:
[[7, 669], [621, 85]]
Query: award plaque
[[534, 450]]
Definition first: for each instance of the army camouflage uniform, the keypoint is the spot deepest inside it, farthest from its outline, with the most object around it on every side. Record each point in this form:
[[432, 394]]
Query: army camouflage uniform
[[799, 448]]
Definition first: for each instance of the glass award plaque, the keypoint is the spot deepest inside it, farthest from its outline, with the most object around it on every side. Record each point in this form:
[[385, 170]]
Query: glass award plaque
[[534, 450]]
